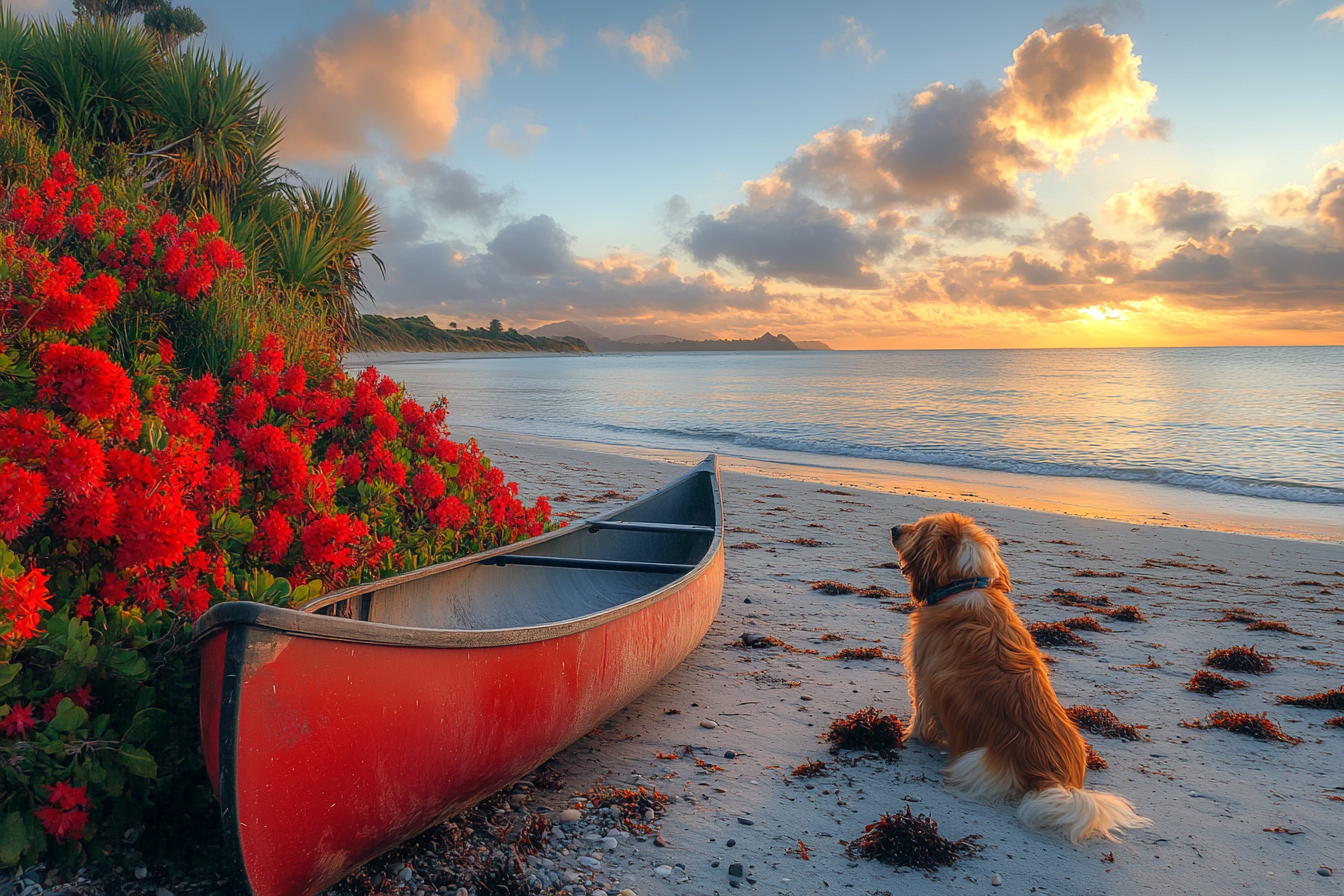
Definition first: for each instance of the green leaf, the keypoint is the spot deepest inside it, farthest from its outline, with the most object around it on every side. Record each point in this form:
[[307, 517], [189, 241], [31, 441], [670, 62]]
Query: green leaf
[[145, 725], [13, 839], [138, 762], [128, 663], [8, 672], [68, 716]]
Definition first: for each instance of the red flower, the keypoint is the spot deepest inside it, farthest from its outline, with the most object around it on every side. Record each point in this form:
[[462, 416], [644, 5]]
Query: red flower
[[67, 813], [112, 590], [154, 528], [92, 516], [19, 721], [427, 484], [22, 601], [274, 536], [86, 380], [295, 379], [166, 353], [450, 513], [199, 393], [76, 465], [23, 500], [331, 540]]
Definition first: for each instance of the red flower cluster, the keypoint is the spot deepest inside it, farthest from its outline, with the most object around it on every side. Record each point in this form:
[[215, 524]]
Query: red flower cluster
[[22, 600], [67, 813]]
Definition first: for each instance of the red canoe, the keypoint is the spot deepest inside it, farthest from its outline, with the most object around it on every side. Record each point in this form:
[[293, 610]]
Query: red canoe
[[337, 730]]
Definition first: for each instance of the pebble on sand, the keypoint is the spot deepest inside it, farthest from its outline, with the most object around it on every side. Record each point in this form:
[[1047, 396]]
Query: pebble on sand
[[570, 815], [663, 870], [708, 723]]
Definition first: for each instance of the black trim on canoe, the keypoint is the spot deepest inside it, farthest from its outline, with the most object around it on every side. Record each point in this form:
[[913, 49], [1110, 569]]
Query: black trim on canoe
[[596, 525], [303, 622], [235, 652]]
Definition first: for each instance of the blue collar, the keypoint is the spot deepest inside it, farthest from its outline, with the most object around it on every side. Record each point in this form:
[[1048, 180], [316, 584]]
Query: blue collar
[[956, 587]]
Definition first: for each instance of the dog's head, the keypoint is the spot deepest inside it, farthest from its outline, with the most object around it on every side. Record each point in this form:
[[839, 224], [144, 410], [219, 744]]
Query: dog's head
[[945, 547]]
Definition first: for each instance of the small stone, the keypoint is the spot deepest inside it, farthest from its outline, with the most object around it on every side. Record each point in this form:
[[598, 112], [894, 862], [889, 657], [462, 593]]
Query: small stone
[[571, 876], [663, 870], [747, 821], [1324, 871], [162, 891], [804, 697], [708, 723], [462, 891], [735, 870], [570, 815], [996, 881], [648, 815], [598, 892], [141, 872], [627, 892], [714, 864], [609, 843], [589, 862], [732, 842], [746, 600], [730, 754]]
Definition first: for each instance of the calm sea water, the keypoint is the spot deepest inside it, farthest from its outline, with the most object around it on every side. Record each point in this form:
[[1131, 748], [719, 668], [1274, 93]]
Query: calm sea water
[[1265, 422]]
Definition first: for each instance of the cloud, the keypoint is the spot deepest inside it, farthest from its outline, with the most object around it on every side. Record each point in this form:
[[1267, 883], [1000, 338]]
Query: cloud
[[501, 138], [1324, 200], [1178, 208], [537, 247], [538, 48], [442, 190], [1332, 16], [793, 238], [1068, 91], [854, 38], [654, 44], [385, 77], [1104, 14]]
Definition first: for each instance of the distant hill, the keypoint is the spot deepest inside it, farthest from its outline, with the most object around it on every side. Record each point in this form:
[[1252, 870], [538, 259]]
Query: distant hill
[[653, 338], [664, 343], [563, 328], [419, 334], [813, 345]]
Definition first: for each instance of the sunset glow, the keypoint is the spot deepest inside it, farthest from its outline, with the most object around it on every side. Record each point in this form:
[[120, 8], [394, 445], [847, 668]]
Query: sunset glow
[[875, 177]]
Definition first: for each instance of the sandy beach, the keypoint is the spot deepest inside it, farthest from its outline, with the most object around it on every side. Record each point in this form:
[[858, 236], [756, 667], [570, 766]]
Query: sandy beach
[[1230, 813]]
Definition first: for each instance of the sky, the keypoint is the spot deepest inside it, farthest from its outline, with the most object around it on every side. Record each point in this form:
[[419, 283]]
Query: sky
[[869, 174]]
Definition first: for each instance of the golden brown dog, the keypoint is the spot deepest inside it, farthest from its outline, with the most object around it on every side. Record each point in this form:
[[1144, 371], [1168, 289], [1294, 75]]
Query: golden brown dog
[[979, 686]]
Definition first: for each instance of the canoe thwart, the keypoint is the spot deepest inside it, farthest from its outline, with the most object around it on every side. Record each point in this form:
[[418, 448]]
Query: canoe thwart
[[581, 563], [594, 525]]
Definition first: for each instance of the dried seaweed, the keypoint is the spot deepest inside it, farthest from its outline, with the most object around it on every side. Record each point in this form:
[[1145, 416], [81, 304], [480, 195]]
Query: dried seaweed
[[828, 491], [1094, 760], [1325, 700], [1239, 614], [1100, 720], [1260, 727], [1269, 625], [1085, 623], [1055, 634], [757, 641], [806, 542], [831, 636], [534, 833], [1337, 722], [630, 804], [548, 779], [1073, 599], [1239, 659], [810, 769], [1123, 613], [867, 729], [745, 546], [1093, 574], [1211, 683], [835, 588], [1130, 589], [859, 653], [910, 841]]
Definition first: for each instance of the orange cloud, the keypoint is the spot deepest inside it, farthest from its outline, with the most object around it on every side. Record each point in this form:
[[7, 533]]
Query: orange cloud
[[500, 137], [1176, 208], [1324, 200], [392, 77], [1068, 91], [1332, 16], [654, 45]]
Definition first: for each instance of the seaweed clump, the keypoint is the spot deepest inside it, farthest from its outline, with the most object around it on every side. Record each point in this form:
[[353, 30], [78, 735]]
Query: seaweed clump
[[1325, 700], [1259, 727], [1100, 720], [910, 841], [835, 588], [1055, 634], [1094, 760], [630, 805], [548, 779], [1084, 623], [1269, 625], [859, 653], [810, 769], [1073, 599], [1239, 659], [867, 729], [1239, 614], [832, 636], [1124, 613], [1336, 722], [1211, 683]]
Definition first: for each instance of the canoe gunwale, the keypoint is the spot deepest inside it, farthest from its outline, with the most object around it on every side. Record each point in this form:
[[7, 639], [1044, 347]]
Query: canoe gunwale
[[302, 621]]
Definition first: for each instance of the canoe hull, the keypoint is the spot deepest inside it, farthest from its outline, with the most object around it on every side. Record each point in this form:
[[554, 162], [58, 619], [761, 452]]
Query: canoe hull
[[326, 753]]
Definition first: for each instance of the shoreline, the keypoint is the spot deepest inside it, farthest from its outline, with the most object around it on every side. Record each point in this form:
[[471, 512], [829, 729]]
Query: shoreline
[[1229, 812], [1142, 503]]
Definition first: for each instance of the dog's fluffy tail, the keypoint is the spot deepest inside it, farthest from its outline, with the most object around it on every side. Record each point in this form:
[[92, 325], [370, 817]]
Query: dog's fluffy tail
[[1078, 814]]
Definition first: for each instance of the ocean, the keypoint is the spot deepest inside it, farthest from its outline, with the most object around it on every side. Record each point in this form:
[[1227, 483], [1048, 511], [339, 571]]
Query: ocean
[[1254, 422]]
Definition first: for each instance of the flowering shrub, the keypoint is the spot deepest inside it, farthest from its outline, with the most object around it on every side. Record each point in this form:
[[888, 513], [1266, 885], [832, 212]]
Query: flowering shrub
[[133, 495]]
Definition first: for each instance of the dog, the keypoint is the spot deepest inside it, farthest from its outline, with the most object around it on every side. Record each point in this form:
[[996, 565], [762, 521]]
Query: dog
[[979, 687]]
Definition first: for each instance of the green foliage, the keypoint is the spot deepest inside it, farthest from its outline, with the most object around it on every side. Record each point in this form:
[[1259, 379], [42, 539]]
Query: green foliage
[[378, 333]]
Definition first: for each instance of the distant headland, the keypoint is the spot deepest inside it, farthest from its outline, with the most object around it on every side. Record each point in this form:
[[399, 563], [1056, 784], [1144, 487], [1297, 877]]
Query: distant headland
[[420, 334]]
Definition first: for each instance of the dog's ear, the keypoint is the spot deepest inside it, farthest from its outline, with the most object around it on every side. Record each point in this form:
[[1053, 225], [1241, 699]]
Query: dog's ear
[[923, 552]]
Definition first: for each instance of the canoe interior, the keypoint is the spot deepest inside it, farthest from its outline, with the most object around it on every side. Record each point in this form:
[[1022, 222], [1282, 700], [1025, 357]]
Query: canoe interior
[[482, 596]]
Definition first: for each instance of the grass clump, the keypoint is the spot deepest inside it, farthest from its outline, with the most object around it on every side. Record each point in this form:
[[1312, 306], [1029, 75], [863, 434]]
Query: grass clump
[[867, 729], [1100, 720], [1239, 659], [1211, 683], [859, 653], [809, 769], [910, 841], [1055, 634], [1325, 700]]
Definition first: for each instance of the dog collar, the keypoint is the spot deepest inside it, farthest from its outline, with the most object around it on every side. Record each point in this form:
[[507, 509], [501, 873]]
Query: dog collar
[[956, 587]]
